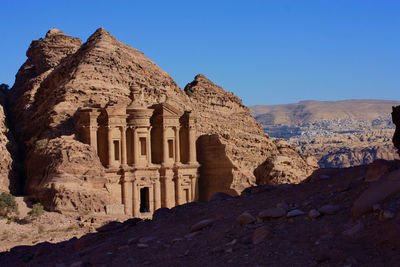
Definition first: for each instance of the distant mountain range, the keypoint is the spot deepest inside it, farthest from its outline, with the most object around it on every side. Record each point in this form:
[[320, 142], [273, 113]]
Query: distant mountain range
[[310, 110], [338, 133]]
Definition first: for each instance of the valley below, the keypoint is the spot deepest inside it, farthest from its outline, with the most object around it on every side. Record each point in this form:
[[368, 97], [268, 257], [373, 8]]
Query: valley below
[[337, 133]]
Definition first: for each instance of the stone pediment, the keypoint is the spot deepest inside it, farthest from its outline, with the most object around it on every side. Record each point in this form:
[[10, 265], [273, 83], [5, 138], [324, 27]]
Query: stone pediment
[[166, 110]]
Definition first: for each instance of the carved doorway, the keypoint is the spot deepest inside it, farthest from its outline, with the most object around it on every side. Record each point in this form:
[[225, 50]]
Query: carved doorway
[[144, 199]]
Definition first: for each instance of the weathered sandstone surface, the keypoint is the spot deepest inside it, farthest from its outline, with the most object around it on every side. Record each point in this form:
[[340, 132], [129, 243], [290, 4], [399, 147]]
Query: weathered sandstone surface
[[7, 150], [61, 75], [232, 144]]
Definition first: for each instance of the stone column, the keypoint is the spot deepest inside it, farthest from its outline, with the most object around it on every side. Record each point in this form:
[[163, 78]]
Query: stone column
[[151, 199], [193, 188], [192, 144], [168, 193], [93, 137], [178, 191], [177, 146], [127, 196], [148, 144], [135, 200], [165, 146], [110, 147], [123, 146], [135, 147], [157, 194]]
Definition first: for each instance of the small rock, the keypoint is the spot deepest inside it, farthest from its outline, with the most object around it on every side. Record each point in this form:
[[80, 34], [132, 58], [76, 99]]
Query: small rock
[[142, 245], [245, 218], [329, 209], [388, 214], [191, 235], [283, 205], [202, 224], [123, 247], [232, 243], [313, 214], [247, 239], [354, 229], [177, 239], [376, 207], [76, 264], [147, 239], [272, 213], [229, 250], [260, 235], [217, 249], [132, 240], [294, 213]]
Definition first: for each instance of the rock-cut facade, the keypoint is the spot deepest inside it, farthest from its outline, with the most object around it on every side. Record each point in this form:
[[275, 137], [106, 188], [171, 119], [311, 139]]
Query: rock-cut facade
[[149, 154]]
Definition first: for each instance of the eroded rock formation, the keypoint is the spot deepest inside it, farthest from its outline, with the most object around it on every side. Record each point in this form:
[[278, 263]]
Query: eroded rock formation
[[8, 179], [61, 75]]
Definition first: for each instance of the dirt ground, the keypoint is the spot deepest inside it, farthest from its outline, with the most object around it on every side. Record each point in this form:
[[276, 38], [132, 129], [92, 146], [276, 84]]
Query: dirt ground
[[335, 239]]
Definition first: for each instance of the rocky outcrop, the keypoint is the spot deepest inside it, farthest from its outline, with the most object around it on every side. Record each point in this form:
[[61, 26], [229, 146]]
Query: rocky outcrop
[[61, 75], [396, 121], [8, 176], [232, 144], [229, 138], [287, 167]]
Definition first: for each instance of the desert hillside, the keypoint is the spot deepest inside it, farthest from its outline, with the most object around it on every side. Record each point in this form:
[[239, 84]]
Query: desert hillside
[[309, 111]]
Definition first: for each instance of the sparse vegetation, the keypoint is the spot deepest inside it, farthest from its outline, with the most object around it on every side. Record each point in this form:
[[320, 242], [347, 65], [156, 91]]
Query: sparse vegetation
[[37, 210], [8, 205], [41, 144]]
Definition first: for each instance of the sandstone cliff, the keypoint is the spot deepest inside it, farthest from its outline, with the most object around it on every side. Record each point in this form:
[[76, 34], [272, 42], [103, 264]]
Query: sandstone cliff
[[61, 75], [232, 144], [8, 179]]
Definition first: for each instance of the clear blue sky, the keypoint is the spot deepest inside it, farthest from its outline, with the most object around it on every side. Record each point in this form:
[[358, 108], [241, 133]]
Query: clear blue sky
[[266, 52]]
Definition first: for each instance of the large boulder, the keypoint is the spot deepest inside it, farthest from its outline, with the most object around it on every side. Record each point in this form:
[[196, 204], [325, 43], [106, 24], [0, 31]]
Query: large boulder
[[287, 167]]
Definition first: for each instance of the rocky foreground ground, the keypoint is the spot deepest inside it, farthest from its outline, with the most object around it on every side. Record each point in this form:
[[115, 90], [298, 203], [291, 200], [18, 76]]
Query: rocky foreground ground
[[335, 218]]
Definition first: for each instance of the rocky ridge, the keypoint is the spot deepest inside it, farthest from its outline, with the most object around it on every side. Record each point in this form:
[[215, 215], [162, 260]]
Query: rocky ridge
[[61, 75]]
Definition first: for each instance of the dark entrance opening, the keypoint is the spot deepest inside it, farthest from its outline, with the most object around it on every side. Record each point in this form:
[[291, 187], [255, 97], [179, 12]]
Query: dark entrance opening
[[144, 200]]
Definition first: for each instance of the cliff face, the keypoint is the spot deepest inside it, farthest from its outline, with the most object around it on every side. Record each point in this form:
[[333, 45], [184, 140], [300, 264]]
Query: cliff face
[[61, 75], [232, 143], [8, 176]]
